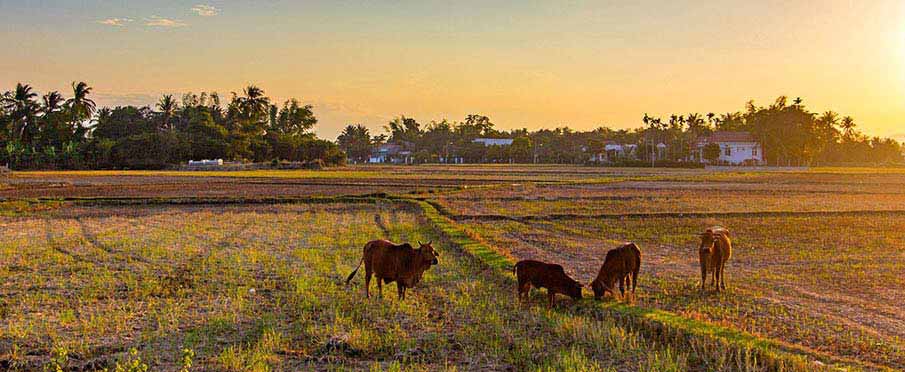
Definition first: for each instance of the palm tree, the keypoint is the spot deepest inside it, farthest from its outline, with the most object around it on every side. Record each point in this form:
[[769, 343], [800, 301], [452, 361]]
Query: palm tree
[[81, 107], [254, 102], [53, 101], [22, 106], [167, 107], [848, 127]]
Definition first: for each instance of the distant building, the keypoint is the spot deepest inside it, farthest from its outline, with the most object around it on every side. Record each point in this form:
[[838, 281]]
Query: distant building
[[206, 163], [613, 152], [391, 153], [494, 141], [736, 148]]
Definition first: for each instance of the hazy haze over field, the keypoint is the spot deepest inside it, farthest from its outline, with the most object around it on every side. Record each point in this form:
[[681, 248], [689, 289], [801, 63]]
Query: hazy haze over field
[[525, 64]]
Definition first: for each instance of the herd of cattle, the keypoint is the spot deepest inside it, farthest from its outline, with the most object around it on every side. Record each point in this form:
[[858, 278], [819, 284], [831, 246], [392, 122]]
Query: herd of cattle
[[403, 264]]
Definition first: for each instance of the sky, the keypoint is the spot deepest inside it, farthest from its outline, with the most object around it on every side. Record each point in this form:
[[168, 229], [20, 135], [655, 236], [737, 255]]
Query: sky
[[525, 64]]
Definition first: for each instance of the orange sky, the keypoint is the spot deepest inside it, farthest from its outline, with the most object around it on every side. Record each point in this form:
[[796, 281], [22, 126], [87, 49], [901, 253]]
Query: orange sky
[[523, 63]]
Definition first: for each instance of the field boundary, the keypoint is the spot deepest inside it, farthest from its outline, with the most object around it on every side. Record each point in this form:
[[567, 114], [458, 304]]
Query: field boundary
[[577, 216], [744, 349]]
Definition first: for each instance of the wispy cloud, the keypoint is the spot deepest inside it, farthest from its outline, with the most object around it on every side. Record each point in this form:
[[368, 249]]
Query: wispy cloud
[[156, 21], [205, 10], [117, 22]]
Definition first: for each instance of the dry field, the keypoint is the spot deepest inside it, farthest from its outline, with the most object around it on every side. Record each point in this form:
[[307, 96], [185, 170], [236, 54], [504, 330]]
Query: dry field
[[818, 264], [260, 288]]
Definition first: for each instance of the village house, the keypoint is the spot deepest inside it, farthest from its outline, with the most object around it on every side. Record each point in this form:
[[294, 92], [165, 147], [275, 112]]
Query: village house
[[391, 153], [736, 148], [494, 141], [613, 152]]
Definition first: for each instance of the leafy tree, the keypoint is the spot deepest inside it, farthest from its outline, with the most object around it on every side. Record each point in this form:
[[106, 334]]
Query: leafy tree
[[293, 119], [711, 152], [356, 141], [205, 138]]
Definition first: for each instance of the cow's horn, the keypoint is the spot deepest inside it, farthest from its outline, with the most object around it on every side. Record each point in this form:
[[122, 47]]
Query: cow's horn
[[419, 243], [430, 242]]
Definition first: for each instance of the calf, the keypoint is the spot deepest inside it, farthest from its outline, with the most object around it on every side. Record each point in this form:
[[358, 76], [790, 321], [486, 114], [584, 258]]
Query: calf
[[400, 263], [618, 265], [544, 275], [714, 252]]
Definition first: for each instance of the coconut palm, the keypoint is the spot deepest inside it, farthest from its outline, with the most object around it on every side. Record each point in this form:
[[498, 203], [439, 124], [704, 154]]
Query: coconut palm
[[22, 108], [848, 127], [167, 107], [53, 102], [254, 104], [81, 107]]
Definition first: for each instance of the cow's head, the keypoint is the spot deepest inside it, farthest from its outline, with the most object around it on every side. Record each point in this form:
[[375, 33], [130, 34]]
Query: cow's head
[[428, 254], [574, 289], [708, 240], [601, 286]]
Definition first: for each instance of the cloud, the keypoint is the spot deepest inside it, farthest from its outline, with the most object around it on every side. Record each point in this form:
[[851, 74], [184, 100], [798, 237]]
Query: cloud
[[117, 22], [205, 10], [156, 21]]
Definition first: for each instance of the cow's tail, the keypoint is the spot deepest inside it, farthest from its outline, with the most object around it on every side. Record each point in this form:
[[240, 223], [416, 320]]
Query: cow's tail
[[637, 266], [352, 275]]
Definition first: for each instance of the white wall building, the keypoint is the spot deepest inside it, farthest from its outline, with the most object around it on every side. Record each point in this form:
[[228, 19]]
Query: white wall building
[[735, 148], [494, 141]]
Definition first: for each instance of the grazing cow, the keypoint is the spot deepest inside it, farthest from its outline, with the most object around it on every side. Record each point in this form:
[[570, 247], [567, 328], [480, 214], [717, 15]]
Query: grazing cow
[[715, 250], [544, 275], [390, 262], [619, 264]]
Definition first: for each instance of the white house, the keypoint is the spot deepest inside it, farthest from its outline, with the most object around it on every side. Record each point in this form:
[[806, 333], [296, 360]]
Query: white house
[[494, 141], [206, 163], [735, 148], [391, 153], [614, 151]]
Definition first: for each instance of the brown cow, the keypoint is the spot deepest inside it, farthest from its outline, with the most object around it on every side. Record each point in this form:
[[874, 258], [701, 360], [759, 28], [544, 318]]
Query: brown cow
[[389, 263], [618, 265], [714, 252], [544, 275]]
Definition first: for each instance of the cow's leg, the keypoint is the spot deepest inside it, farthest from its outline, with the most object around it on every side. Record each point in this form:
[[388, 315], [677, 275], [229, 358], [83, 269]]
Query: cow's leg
[[552, 296], [712, 277], [379, 287], [703, 277], [717, 276], [723, 275], [524, 291], [368, 283], [400, 290], [622, 287]]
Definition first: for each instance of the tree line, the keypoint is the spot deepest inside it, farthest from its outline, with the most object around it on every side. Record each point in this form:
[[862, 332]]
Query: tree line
[[52, 131], [789, 133], [55, 131]]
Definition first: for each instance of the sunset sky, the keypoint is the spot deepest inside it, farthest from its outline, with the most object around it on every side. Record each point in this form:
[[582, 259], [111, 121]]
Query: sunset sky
[[523, 63]]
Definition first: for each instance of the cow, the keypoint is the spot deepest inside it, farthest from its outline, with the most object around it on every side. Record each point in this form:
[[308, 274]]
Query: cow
[[544, 275], [398, 263], [714, 252], [621, 264]]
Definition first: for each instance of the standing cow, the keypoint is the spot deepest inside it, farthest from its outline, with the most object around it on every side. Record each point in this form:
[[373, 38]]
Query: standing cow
[[398, 263], [544, 275], [621, 264], [714, 252]]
